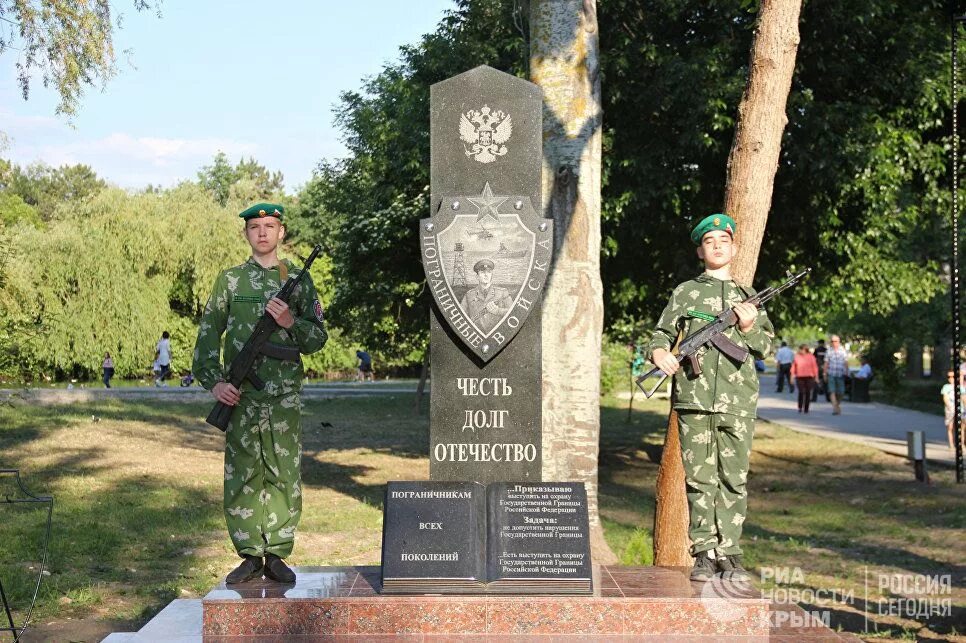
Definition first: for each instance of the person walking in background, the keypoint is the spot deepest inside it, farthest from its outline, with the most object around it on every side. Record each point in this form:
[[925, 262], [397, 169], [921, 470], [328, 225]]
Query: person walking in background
[[108, 366], [784, 357], [365, 366], [836, 368], [948, 391], [162, 353], [804, 374], [821, 386]]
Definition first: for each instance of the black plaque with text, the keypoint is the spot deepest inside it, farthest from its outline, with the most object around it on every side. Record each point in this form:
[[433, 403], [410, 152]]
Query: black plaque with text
[[434, 530], [505, 538], [538, 535]]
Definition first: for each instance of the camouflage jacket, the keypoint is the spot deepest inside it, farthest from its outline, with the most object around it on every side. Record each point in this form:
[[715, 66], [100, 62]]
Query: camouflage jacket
[[724, 386], [237, 301]]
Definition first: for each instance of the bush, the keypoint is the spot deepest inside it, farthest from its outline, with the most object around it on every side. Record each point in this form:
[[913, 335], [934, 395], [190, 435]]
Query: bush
[[614, 367]]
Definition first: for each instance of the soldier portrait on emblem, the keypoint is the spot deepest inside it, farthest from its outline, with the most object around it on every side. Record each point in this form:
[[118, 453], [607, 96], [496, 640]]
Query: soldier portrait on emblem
[[486, 257], [486, 304]]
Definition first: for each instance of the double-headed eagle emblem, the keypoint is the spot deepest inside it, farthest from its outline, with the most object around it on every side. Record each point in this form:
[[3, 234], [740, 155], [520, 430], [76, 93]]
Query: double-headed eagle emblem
[[485, 131]]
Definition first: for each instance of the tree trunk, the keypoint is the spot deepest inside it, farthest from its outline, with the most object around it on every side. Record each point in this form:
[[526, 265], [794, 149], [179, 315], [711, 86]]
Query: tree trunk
[[671, 504], [565, 63], [753, 160], [421, 387], [752, 164], [942, 359], [913, 360]]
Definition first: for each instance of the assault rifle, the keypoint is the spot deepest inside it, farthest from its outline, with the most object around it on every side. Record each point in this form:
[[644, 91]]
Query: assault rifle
[[713, 334], [242, 367]]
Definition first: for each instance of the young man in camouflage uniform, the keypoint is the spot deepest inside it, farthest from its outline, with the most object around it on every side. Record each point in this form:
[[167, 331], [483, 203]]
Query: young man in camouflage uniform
[[263, 447], [716, 409]]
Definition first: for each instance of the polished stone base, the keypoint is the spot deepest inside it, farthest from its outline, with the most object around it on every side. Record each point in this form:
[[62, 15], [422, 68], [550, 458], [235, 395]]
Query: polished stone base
[[646, 604], [628, 601]]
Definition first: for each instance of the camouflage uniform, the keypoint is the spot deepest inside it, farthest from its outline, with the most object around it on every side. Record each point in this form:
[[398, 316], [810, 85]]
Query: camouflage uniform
[[716, 411], [263, 447]]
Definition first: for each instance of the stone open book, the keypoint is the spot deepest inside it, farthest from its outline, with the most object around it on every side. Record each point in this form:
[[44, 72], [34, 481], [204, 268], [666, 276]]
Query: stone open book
[[501, 538]]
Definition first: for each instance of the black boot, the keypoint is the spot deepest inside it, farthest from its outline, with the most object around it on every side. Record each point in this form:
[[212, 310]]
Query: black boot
[[703, 568], [251, 567], [730, 568], [277, 570]]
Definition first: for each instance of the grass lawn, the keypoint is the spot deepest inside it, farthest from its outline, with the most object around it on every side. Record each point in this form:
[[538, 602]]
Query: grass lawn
[[138, 522]]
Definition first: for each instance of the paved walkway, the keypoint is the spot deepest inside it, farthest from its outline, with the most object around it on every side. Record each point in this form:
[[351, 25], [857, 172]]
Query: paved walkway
[[57, 395], [877, 425]]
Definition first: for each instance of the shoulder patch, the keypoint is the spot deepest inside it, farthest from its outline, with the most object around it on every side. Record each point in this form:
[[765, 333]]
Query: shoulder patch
[[319, 313]]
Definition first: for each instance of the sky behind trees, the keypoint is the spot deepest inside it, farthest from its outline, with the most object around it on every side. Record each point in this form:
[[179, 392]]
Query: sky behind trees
[[253, 80]]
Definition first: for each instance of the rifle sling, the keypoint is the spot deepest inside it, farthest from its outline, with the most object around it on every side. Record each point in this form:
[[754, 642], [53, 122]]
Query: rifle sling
[[280, 352]]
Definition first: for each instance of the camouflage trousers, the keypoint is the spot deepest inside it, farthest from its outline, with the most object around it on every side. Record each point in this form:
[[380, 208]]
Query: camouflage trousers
[[715, 449], [263, 493]]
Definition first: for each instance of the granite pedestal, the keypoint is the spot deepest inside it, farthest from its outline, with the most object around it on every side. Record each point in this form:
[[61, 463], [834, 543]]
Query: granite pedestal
[[628, 601]]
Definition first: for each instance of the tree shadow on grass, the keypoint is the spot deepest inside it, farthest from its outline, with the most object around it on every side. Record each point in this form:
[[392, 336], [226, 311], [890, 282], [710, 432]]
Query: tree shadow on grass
[[867, 619], [343, 479], [108, 530], [871, 555], [379, 425], [23, 423], [842, 479]]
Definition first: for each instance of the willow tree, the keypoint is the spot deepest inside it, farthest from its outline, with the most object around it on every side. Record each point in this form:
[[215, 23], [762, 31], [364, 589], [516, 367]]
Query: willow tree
[[752, 164], [565, 63], [69, 42]]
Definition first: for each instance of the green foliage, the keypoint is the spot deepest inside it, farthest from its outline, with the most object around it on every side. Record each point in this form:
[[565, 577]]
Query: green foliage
[[248, 181], [45, 188], [113, 271], [368, 205], [70, 43], [639, 549], [859, 195], [14, 209], [100, 279], [861, 174], [615, 370]]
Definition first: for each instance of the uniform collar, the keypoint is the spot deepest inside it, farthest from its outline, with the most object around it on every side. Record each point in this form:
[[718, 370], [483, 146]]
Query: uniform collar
[[251, 261], [705, 278]]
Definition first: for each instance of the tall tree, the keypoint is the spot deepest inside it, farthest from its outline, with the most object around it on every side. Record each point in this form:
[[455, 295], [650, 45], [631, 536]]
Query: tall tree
[[565, 63], [47, 188], [249, 180], [752, 164], [862, 160], [753, 160], [70, 42]]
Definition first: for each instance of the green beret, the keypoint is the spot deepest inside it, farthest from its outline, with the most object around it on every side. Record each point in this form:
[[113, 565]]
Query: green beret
[[713, 222], [263, 210], [483, 264]]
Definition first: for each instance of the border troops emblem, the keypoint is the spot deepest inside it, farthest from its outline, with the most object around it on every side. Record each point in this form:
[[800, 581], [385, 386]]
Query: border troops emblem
[[486, 259]]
